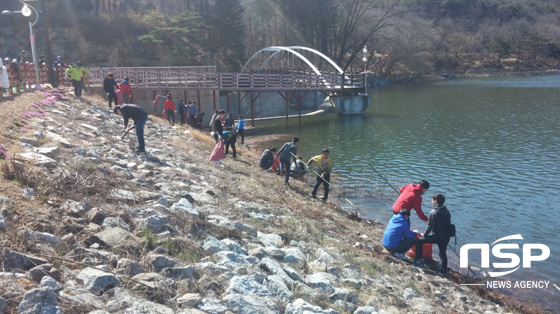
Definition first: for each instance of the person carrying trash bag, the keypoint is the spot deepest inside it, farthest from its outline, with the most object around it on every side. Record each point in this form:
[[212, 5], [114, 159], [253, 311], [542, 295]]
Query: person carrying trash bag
[[397, 237]]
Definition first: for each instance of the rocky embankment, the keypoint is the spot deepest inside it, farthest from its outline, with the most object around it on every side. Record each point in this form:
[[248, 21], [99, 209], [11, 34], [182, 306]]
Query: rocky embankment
[[88, 226]]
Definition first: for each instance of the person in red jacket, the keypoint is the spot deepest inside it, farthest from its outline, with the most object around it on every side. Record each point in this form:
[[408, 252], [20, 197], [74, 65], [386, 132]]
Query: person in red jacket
[[169, 107], [126, 91], [411, 197]]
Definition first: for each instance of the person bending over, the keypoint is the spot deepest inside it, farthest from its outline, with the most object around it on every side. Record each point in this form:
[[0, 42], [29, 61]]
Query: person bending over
[[397, 237]]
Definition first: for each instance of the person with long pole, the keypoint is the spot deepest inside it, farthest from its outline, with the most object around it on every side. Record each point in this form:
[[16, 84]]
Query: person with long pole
[[324, 169]]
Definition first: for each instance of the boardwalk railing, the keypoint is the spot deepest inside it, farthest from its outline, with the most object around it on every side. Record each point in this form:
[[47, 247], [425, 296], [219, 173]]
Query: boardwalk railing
[[22, 76], [187, 78]]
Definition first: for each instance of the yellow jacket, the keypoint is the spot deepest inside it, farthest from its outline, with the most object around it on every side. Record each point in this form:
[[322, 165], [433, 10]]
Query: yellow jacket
[[324, 166], [76, 73]]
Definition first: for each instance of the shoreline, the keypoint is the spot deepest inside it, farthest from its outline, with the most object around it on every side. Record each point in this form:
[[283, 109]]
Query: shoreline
[[207, 237]]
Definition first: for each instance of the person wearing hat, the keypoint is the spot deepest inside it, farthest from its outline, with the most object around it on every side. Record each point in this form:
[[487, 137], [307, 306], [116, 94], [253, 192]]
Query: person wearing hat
[[109, 85], [139, 116], [286, 153], [76, 71], [324, 169], [411, 197]]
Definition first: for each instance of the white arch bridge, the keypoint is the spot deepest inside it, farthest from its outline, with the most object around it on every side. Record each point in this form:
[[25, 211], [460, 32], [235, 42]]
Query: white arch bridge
[[292, 71]]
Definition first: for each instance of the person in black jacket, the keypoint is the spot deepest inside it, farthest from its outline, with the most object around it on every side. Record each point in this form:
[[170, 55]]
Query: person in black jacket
[[139, 116], [217, 127], [109, 85], [438, 231]]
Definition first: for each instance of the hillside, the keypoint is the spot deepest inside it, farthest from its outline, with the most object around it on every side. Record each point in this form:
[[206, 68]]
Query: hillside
[[88, 225]]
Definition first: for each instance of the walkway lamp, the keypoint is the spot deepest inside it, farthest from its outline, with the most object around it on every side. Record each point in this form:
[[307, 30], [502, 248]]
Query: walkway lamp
[[365, 59], [26, 11]]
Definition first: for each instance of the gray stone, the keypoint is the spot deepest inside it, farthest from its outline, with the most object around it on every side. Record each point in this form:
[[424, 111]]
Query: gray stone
[[159, 261], [293, 273], [49, 282], [279, 289], [365, 310], [189, 299], [275, 253], [130, 304], [152, 280], [154, 223], [114, 222], [96, 216], [129, 267], [347, 307], [113, 237], [40, 300], [250, 304], [39, 160], [294, 256], [213, 245], [234, 246], [211, 269], [15, 260], [270, 239], [320, 280], [300, 306], [3, 305], [37, 273], [179, 272], [274, 268], [75, 209], [96, 280], [31, 141], [43, 237], [409, 293], [247, 285], [344, 295], [123, 195], [183, 205], [51, 152], [232, 260]]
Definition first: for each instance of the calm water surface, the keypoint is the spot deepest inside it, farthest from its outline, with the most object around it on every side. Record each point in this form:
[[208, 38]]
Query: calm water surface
[[490, 145]]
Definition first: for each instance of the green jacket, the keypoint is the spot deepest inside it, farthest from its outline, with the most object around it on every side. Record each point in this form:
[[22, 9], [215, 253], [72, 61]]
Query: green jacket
[[76, 73]]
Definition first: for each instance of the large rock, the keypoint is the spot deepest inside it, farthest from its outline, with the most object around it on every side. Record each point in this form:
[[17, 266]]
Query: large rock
[[279, 289], [270, 239], [39, 160], [320, 280], [115, 237], [96, 280], [127, 303], [247, 285], [160, 261], [183, 205], [179, 272], [250, 304], [15, 260], [295, 257], [213, 245], [40, 300]]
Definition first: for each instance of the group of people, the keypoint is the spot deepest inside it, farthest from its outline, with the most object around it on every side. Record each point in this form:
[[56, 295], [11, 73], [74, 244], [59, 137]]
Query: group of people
[[225, 133], [287, 162], [398, 238]]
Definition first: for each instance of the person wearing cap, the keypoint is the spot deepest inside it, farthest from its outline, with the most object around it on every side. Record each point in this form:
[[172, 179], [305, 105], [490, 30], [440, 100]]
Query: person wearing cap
[[76, 70], [109, 85], [286, 153], [324, 169], [411, 197], [139, 116], [398, 238], [126, 91]]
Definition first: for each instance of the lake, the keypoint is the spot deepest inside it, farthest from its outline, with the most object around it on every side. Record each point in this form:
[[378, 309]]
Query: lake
[[490, 145]]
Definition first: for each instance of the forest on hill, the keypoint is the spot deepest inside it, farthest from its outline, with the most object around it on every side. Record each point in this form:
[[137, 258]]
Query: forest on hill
[[404, 37]]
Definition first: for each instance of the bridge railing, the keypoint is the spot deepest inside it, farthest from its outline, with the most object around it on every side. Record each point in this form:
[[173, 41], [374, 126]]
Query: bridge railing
[[201, 78]]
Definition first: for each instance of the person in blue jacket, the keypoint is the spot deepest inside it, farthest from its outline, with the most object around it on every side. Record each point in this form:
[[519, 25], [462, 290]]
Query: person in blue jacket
[[397, 237]]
